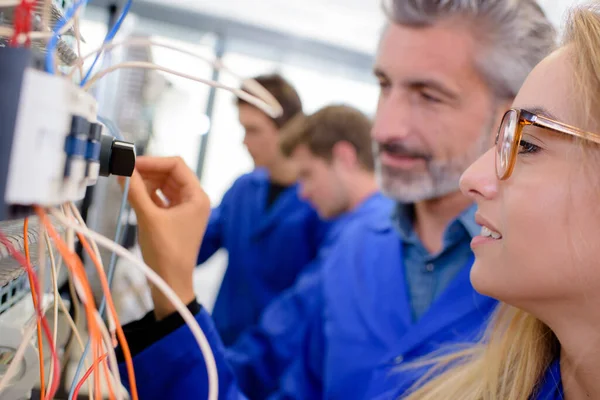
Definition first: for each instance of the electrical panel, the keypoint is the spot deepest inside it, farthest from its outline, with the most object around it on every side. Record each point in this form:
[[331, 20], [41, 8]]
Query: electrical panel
[[51, 145], [52, 148]]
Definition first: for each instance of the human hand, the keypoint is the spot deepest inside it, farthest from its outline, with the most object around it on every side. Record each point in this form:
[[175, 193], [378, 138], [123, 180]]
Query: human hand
[[169, 233]]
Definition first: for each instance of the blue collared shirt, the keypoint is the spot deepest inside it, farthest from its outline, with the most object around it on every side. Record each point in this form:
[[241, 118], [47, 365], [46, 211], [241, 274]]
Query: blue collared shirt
[[427, 274]]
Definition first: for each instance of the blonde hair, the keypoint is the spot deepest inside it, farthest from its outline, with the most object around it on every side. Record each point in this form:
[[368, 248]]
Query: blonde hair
[[517, 348]]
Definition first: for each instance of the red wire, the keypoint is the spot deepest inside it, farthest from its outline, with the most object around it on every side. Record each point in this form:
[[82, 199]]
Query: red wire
[[35, 300], [21, 260], [88, 373], [22, 21]]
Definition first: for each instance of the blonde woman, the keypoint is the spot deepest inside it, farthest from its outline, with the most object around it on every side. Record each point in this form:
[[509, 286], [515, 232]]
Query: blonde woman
[[537, 193]]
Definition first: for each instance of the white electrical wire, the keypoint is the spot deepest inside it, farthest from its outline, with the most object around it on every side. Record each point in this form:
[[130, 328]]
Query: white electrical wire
[[9, 3], [71, 323], [75, 330], [13, 367], [78, 42], [209, 359], [148, 65], [70, 239], [27, 336], [251, 85], [42, 262], [70, 234], [112, 327], [66, 215], [7, 31], [58, 300], [112, 358]]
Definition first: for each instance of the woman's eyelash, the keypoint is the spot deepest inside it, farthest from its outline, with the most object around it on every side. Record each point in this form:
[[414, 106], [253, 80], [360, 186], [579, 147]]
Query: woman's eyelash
[[527, 148]]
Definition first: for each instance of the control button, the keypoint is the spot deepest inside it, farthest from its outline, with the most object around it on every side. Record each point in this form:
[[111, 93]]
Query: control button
[[116, 157], [122, 160]]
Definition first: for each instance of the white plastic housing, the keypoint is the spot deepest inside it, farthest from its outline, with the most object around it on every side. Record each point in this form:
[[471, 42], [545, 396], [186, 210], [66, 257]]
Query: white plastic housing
[[37, 164]]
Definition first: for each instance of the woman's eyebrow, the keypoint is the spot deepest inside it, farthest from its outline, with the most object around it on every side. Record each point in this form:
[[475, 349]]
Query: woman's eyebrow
[[542, 112]]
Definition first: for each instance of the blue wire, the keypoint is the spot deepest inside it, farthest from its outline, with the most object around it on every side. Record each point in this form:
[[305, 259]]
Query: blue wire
[[55, 37], [111, 127], [111, 271], [109, 36]]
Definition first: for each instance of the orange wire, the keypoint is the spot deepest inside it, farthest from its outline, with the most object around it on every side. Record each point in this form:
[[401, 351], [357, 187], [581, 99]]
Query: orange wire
[[88, 373], [76, 267], [35, 304], [97, 392], [111, 306], [38, 310]]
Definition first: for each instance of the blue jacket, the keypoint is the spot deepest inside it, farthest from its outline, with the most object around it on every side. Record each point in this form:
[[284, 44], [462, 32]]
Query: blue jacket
[[357, 330], [263, 352], [267, 248], [366, 330], [551, 385]]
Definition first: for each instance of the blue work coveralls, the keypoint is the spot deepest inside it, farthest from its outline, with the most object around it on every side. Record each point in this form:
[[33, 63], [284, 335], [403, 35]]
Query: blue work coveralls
[[360, 325], [263, 352], [268, 247], [551, 387]]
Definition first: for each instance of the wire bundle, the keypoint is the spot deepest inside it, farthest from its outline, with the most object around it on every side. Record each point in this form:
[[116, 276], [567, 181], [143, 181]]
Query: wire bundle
[[102, 338], [22, 21]]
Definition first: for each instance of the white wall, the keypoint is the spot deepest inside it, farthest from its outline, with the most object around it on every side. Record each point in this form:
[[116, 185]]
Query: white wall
[[556, 9], [226, 156]]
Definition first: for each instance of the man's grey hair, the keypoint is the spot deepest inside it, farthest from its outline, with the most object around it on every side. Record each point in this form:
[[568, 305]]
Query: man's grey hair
[[514, 35]]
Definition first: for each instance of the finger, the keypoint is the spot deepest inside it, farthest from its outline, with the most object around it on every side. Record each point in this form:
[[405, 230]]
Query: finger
[[159, 200], [138, 195], [172, 167], [157, 165], [171, 175]]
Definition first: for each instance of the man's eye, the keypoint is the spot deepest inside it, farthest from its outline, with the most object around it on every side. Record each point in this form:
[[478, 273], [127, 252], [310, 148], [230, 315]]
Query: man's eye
[[429, 98]]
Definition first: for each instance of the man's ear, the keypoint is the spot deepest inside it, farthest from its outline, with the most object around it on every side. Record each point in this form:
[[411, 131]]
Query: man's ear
[[345, 153]]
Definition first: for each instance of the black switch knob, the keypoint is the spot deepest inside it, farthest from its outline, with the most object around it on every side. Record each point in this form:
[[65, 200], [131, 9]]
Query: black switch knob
[[116, 157], [122, 160]]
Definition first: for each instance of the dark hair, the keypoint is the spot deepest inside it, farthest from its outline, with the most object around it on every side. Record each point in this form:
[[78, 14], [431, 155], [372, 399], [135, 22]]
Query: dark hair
[[322, 130], [284, 93]]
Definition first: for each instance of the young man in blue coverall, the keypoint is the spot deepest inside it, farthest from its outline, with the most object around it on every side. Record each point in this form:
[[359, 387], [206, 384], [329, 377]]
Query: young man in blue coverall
[[389, 292], [260, 211], [333, 152]]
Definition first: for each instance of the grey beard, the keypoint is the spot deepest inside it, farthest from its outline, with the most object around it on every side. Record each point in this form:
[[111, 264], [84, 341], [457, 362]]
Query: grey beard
[[439, 179]]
